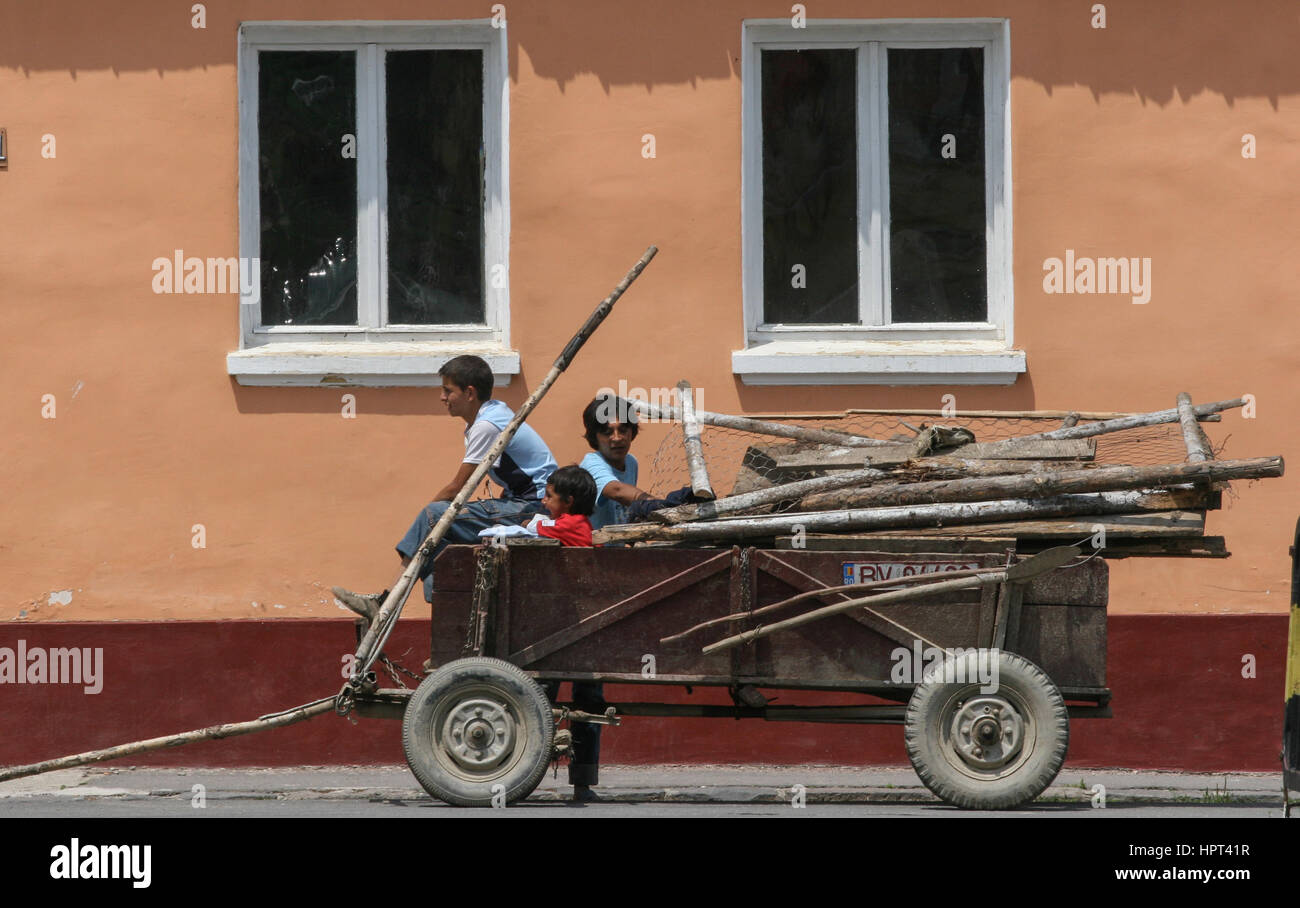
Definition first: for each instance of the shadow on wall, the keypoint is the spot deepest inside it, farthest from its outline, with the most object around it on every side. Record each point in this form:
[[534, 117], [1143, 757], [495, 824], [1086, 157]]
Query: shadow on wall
[[1162, 51]]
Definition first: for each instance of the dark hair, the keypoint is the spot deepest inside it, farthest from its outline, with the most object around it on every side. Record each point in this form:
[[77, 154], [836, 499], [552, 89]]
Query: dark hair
[[469, 372], [606, 409], [575, 483]]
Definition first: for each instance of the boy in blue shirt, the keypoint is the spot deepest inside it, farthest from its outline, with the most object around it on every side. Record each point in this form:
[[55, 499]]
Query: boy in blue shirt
[[521, 471]]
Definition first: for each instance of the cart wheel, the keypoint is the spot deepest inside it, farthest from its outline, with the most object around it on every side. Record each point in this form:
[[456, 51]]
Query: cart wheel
[[478, 732], [987, 751]]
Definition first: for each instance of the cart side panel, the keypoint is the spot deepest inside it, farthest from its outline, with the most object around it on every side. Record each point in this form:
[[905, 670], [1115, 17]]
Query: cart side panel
[[556, 595], [453, 572]]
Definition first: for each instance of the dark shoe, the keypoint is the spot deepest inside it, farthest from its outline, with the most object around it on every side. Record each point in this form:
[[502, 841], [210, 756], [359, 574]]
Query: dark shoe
[[365, 606], [584, 794]]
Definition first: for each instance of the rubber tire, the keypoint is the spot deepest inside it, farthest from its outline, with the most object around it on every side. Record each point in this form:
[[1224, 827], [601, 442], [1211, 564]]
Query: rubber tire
[[1046, 737], [521, 770]]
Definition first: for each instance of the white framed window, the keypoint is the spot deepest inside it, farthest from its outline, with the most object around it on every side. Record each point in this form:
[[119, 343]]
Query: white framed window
[[373, 201], [876, 203]]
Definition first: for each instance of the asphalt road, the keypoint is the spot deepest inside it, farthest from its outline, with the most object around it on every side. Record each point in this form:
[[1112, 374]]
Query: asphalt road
[[745, 791]]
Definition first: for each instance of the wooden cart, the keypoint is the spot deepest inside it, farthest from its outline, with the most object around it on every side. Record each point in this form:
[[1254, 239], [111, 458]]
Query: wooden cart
[[988, 727]]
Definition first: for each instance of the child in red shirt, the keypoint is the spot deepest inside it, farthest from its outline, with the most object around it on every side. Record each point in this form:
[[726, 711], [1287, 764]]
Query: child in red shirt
[[570, 498]]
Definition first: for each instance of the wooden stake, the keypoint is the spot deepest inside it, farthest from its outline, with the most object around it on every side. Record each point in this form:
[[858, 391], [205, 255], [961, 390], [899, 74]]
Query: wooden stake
[[1198, 446], [212, 733], [700, 486]]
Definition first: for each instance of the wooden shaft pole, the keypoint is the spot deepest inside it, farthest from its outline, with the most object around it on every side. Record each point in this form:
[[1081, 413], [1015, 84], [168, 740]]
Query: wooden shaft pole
[[817, 594], [946, 586], [212, 733]]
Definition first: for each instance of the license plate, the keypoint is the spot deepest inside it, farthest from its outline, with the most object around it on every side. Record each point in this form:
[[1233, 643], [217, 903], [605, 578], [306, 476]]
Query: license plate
[[872, 571]]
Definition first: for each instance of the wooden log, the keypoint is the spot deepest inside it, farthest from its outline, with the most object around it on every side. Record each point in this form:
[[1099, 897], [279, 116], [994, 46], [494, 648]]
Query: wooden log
[[211, 733], [1004, 414], [790, 491], [372, 642], [700, 486], [954, 514], [1157, 525], [1198, 446], [1043, 484], [829, 458], [1130, 422], [762, 427]]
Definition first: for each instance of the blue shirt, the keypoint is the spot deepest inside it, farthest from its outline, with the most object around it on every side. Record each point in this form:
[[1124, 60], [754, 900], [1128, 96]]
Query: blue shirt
[[608, 510], [525, 464]]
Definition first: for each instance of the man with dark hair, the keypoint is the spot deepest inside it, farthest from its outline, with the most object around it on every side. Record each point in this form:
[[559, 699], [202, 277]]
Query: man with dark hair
[[610, 426], [521, 471]]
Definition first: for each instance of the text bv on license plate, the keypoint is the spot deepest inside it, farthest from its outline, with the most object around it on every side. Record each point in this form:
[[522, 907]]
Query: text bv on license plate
[[872, 571]]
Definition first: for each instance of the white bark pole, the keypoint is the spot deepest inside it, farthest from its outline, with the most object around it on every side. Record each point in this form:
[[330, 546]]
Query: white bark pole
[[1198, 446], [700, 486], [372, 643], [764, 427], [1130, 422]]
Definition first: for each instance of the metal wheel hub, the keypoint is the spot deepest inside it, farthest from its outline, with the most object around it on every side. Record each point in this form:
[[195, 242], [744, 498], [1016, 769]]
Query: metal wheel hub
[[987, 732], [478, 734]]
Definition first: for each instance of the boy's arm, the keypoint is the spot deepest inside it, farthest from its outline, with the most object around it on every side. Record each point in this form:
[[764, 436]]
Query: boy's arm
[[448, 492], [478, 441]]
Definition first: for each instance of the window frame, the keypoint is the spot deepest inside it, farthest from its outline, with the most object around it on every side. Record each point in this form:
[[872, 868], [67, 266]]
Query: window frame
[[778, 347], [373, 352]]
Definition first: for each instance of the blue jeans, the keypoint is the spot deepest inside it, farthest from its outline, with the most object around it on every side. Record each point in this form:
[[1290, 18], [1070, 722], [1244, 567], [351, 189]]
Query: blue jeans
[[474, 516]]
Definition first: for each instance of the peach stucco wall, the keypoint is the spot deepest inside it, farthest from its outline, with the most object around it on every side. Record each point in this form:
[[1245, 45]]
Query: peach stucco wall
[[1126, 141]]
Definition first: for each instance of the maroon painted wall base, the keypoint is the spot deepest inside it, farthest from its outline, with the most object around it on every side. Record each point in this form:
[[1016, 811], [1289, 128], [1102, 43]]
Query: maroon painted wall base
[[1180, 700]]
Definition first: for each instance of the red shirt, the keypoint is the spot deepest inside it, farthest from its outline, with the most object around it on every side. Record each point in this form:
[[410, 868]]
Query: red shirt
[[570, 529]]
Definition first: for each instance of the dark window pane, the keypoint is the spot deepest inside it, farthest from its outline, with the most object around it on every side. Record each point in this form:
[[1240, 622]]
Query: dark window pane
[[937, 255], [435, 187], [306, 105], [810, 179]]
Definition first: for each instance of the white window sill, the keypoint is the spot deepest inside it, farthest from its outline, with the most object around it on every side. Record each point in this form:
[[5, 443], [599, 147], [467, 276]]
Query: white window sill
[[387, 365], [878, 363]]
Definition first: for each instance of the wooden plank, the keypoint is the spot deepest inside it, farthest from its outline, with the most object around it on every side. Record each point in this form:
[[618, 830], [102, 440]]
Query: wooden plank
[[620, 610]]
